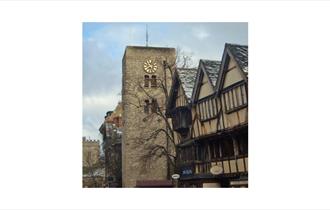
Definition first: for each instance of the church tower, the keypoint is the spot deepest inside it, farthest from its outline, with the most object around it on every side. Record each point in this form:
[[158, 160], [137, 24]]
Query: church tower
[[143, 77]]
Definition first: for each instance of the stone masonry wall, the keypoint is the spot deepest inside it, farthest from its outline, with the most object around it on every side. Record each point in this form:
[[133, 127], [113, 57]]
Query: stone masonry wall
[[136, 129]]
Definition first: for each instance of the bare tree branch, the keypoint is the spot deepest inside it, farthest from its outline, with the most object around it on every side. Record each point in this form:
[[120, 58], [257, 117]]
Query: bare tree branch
[[149, 141]]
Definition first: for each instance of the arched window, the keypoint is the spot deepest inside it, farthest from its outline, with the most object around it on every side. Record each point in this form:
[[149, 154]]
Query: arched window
[[153, 81], [146, 81]]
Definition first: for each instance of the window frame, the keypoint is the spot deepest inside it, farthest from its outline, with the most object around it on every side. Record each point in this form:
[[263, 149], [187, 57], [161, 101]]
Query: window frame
[[234, 99], [207, 110]]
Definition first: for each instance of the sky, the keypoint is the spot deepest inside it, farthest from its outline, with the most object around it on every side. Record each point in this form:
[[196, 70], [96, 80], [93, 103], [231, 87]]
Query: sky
[[104, 45]]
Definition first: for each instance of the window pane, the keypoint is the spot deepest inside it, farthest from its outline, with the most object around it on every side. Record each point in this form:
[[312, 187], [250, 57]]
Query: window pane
[[214, 107], [230, 102], [244, 94], [234, 98], [207, 114], [231, 99], [238, 95], [227, 101], [209, 105], [203, 111]]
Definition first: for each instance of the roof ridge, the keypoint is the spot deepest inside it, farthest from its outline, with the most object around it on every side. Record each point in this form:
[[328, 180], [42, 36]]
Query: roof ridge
[[210, 60], [233, 44]]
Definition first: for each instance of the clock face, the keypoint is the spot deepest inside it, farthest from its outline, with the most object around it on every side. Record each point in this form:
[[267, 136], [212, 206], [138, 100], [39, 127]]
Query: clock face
[[150, 66]]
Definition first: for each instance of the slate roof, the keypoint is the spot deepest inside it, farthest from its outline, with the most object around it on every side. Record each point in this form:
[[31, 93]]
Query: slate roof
[[240, 53], [187, 78], [212, 69]]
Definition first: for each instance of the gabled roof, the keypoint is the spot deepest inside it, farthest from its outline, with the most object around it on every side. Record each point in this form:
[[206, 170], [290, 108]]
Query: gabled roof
[[187, 77], [240, 55], [210, 68]]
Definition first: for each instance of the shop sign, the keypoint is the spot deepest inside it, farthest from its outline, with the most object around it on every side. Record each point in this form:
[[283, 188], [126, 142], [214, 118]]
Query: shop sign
[[187, 172], [216, 170]]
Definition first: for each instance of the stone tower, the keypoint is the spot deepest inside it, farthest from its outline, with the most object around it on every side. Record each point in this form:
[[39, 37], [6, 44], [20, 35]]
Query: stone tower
[[143, 74], [91, 152]]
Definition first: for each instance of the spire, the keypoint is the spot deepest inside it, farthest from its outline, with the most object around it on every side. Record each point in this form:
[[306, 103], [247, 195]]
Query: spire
[[147, 35]]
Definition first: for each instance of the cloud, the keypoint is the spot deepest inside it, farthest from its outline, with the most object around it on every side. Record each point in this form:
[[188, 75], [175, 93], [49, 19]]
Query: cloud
[[94, 110], [101, 73], [200, 33]]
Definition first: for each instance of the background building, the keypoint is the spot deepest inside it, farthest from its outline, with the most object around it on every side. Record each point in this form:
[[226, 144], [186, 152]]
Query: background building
[[93, 171], [111, 132], [91, 152]]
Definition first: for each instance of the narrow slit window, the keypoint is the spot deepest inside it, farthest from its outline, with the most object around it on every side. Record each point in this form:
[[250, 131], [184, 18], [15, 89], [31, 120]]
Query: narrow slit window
[[146, 107], [154, 106]]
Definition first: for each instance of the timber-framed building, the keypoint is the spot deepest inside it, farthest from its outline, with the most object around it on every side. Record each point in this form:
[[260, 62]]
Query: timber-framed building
[[211, 124]]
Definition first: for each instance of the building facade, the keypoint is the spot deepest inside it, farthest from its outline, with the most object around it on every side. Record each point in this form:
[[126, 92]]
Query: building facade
[[91, 152], [111, 130], [212, 129], [145, 81], [93, 172]]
